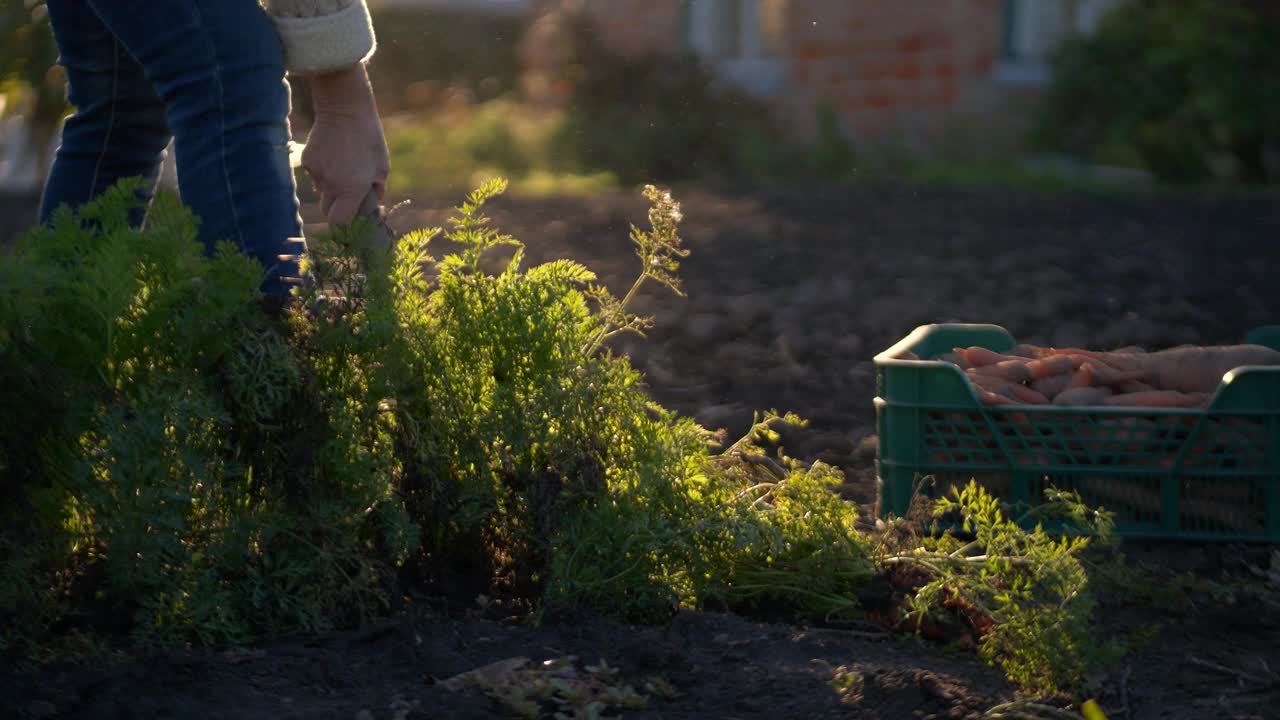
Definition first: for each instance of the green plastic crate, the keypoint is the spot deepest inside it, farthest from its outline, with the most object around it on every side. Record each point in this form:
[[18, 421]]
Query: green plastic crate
[[1210, 474]]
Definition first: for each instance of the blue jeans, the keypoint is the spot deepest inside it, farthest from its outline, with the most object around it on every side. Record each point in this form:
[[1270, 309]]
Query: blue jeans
[[210, 75]]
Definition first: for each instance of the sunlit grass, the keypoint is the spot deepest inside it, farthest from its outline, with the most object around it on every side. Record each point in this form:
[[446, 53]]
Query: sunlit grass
[[457, 149], [1021, 173]]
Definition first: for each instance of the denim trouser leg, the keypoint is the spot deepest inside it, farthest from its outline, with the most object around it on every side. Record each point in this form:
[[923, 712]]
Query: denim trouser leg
[[118, 129], [210, 71]]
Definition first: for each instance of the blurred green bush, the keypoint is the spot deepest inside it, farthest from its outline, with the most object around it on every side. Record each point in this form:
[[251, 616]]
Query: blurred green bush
[[1186, 89], [670, 118], [553, 151], [461, 148], [425, 56], [31, 84]]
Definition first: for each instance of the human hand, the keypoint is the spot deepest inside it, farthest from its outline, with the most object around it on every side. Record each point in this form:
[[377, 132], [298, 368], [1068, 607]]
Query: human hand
[[346, 151]]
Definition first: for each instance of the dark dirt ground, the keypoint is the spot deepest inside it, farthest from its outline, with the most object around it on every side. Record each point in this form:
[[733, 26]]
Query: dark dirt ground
[[790, 293]]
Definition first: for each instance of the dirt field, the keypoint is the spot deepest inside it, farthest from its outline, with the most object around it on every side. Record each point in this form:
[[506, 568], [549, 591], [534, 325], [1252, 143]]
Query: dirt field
[[790, 294]]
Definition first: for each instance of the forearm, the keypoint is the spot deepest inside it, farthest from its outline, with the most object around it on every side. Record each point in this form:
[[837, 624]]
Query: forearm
[[323, 36], [346, 154], [345, 91], [326, 41]]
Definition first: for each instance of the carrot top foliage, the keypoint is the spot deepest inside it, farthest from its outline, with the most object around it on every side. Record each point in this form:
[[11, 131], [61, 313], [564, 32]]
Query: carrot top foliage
[[179, 465], [185, 467], [158, 459]]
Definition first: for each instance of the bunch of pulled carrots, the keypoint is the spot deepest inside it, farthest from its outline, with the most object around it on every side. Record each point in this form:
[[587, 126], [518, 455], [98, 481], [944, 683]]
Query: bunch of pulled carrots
[[1181, 377]]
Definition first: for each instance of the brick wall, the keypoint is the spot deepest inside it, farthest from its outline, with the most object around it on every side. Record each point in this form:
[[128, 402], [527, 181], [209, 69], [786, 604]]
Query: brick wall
[[892, 66], [888, 67]]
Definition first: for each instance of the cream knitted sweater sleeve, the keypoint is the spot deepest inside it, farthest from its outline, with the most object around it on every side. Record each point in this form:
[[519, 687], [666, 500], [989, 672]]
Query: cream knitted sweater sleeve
[[322, 35]]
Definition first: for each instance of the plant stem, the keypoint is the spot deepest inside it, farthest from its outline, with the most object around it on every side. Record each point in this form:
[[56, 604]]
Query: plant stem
[[938, 557], [604, 332]]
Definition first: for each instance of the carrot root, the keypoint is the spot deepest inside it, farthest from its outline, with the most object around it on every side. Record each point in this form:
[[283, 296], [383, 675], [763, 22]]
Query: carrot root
[[1012, 390], [1012, 370], [1082, 396], [955, 358], [1081, 378], [1106, 375], [1050, 366], [981, 357], [1158, 398], [1052, 385]]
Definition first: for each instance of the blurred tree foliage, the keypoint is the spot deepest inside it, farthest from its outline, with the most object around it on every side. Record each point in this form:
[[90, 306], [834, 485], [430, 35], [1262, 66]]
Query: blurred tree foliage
[[27, 52], [1188, 89], [426, 56], [30, 79]]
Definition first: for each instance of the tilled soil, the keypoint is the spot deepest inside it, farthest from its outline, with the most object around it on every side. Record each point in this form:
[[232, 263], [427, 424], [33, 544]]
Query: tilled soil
[[719, 666], [790, 293]]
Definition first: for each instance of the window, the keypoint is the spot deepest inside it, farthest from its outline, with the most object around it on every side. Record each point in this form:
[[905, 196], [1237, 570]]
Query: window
[[1033, 29], [741, 41]]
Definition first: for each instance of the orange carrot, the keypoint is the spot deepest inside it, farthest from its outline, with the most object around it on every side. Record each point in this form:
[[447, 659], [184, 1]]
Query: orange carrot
[[1031, 351], [1200, 369], [1108, 375], [1046, 367], [1090, 354], [1082, 396], [1052, 385], [1081, 378], [1011, 390], [1186, 368], [981, 357], [1015, 370], [1158, 398], [1027, 395]]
